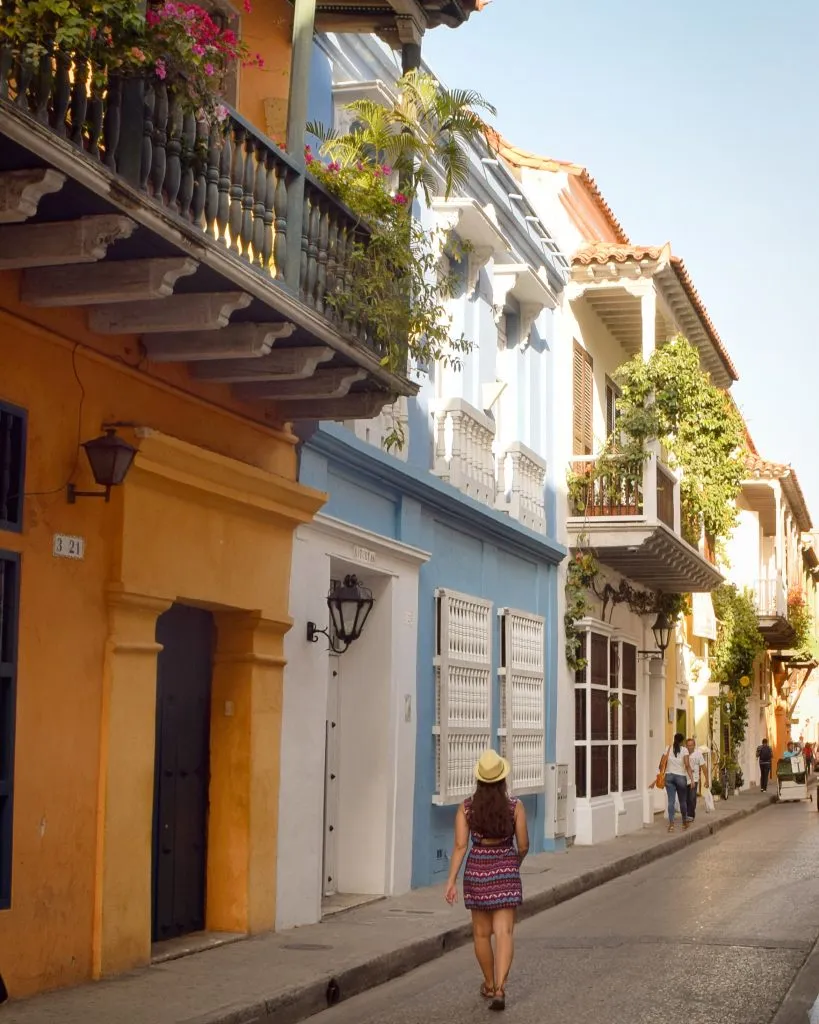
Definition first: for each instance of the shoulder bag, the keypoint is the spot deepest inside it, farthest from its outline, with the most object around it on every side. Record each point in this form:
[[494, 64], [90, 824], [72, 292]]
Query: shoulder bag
[[659, 782]]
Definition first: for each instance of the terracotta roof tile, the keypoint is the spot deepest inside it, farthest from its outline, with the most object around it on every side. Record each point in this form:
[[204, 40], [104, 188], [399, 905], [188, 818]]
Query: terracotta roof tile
[[761, 469], [521, 158], [607, 252]]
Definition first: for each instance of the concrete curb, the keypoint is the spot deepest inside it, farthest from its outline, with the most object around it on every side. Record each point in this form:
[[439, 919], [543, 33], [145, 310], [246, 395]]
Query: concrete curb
[[307, 1000]]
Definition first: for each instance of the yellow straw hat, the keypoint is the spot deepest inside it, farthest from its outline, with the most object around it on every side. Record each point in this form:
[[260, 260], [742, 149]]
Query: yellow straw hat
[[491, 767]]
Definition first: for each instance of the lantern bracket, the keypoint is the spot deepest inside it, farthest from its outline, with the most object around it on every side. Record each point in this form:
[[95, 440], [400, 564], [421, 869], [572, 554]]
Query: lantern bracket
[[72, 494], [313, 634]]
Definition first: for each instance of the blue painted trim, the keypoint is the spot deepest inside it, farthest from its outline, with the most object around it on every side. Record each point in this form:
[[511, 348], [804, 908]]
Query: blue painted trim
[[374, 466]]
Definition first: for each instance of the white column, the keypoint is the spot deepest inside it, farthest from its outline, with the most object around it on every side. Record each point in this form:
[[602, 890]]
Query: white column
[[648, 315], [779, 549]]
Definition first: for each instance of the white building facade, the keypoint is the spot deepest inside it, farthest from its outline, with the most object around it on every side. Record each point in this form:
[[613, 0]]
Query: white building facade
[[454, 537], [622, 301]]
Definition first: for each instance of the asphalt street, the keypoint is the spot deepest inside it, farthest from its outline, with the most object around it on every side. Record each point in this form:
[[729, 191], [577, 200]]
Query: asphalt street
[[715, 934]]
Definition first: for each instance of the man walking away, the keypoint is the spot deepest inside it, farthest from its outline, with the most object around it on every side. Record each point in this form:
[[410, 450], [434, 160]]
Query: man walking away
[[698, 764], [765, 755]]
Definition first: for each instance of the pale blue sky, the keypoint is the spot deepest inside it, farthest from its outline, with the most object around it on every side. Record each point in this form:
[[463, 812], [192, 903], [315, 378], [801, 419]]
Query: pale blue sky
[[699, 122]]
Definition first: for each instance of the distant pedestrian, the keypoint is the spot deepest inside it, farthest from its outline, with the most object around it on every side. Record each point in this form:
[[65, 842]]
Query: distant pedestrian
[[764, 754], [807, 750], [678, 777], [493, 891], [698, 765]]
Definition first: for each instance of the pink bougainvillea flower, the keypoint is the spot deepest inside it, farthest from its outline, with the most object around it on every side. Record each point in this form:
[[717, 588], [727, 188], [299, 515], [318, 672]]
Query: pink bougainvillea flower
[[209, 70], [161, 70], [387, 170], [248, 7], [335, 167], [400, 199]]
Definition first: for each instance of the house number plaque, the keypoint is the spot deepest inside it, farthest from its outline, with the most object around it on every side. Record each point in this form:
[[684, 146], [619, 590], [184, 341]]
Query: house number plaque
[[66, 546]]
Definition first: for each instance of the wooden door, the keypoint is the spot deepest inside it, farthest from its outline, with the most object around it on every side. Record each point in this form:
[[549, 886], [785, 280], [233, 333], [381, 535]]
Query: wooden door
[[331, 758], [182, 772]]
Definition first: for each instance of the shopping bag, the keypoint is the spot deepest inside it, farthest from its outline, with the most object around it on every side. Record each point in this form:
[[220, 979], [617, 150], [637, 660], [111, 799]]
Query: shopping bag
[[709, 800]]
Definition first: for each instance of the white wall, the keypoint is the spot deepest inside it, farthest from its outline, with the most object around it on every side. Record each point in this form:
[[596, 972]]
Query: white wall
[[744, 551], [377, 741]]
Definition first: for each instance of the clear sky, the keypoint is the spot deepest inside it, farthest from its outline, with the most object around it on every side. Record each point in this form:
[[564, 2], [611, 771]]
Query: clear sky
[[699, 122]]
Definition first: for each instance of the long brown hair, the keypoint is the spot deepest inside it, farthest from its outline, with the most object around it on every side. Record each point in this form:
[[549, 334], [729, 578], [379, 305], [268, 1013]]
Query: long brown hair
[[490, 813]]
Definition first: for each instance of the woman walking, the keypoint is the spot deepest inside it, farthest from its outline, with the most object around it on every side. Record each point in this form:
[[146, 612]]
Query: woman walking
[[678, 777], [496, 823]]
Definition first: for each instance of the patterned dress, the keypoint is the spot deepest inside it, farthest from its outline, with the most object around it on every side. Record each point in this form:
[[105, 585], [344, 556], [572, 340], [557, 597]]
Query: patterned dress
[[492, 872]]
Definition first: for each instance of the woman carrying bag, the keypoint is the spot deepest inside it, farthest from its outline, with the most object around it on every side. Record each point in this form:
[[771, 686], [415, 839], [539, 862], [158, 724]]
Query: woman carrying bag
[[674, 764]]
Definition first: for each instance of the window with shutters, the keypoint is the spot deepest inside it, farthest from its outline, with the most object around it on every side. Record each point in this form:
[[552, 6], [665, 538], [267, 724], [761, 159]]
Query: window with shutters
[[612, 394], [12, 466], [9, 599], [583, 402], [463, 691], [522, 730], [606, 716]]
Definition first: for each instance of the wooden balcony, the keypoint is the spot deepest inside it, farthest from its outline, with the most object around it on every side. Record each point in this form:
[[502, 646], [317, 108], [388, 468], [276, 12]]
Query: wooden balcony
[[771, 600], [214, 246], [632, 519]]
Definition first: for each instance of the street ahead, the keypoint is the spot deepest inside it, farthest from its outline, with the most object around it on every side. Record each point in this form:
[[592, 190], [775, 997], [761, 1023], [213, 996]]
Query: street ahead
[[714, 934]]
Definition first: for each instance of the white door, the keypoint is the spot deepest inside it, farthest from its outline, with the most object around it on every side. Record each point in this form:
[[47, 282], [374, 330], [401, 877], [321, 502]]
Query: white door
[[331, 747]]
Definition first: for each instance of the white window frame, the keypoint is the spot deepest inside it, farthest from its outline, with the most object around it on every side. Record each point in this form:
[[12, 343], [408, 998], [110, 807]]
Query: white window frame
[[613, 636], [522, 675], [463, 692]]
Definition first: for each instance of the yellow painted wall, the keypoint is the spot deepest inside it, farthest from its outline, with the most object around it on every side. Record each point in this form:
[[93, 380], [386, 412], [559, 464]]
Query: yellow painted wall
[[268, 31], [208, 520]]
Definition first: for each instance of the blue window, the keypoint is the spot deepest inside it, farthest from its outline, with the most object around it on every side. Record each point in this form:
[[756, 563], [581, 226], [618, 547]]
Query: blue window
[[12, 466]]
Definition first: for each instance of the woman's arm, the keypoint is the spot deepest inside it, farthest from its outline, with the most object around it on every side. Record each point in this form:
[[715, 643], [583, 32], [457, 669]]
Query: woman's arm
[[458, 854], [687, 763], [521, 831]]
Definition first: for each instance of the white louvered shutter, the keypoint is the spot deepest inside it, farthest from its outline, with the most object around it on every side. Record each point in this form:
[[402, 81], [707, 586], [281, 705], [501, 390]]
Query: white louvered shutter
[[463, 692], [522, 730]]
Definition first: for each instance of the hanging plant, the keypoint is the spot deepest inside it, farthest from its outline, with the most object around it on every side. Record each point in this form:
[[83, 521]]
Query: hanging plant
[[388, 159], [178, 44], [670, 399], [801, 620]]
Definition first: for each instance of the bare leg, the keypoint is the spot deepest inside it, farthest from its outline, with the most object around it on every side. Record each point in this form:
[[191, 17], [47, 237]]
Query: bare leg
[[482, 937], [503, 926]]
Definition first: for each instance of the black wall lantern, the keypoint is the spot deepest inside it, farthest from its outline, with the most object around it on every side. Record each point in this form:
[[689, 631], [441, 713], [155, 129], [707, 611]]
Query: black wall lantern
[[662, 636], [110, 458], [350, 604]]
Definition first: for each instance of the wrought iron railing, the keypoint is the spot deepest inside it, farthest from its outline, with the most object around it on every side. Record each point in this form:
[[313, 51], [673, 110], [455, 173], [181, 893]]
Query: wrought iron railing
[[616, 492], [226, 179]]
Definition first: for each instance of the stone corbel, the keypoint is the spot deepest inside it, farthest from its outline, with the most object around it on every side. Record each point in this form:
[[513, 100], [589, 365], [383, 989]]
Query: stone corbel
[[529, 312], [502, 286], [409, 31], [477, 259]]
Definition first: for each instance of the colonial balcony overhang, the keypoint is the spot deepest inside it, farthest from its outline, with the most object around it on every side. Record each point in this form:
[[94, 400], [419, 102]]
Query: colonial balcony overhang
[[217, 249], [477, 226], [529, 288], [771, 601], [634, 528], [645, 296]]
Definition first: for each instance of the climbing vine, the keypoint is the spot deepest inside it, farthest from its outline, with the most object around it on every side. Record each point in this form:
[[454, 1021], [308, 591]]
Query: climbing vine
[[584, 582], [670, 399], [739, 643]]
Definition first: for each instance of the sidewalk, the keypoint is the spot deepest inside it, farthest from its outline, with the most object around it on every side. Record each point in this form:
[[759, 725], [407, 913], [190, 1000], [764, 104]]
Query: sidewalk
[[287, 977]]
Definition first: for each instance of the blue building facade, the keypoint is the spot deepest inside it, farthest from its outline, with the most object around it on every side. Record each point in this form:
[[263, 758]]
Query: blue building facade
[[456, 535]]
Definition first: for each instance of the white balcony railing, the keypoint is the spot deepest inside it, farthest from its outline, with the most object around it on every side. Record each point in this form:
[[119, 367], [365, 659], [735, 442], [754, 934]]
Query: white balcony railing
[[651, 493], [771, 597], [464, 456], [521, 476]]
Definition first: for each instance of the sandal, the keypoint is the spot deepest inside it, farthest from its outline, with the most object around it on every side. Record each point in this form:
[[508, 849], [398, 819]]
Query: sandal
[[685, 825], [671, 828], [486, 992], [499, 1001]]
